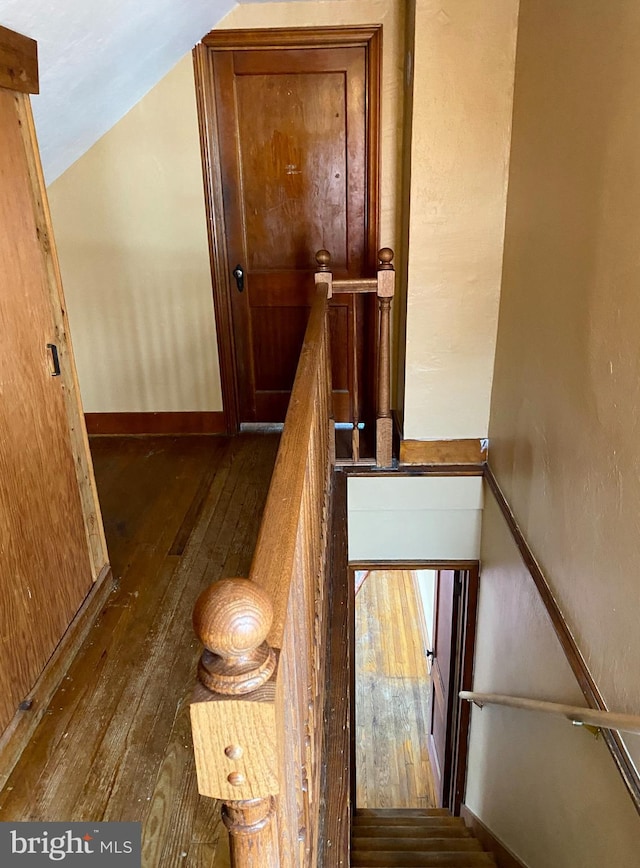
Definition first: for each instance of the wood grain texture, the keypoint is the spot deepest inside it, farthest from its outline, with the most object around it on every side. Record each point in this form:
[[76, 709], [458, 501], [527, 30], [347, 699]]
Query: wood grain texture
[[300, 118], [69, 378], [270, 740], [280, 37], [148, 424], [115, 742], [503, 856], [16, 736], [237, 365], [442, 452], [216, 233], [392, 691], [590, 690], [274, 558], [363, 284], [249, 726], [18, 62], [337, 774], [46, 571]]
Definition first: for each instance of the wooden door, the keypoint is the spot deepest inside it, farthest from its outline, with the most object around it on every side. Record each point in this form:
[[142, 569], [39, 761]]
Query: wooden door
[[293, 140], [45, 569], [445, 643]]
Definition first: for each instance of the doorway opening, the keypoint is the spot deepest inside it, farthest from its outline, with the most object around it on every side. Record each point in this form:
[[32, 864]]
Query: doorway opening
[[290, 128], [413, 640]]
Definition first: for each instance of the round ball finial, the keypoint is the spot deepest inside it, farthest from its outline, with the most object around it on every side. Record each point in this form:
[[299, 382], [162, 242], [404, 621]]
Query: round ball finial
[[232, 619], [323, 258], [385, 255]]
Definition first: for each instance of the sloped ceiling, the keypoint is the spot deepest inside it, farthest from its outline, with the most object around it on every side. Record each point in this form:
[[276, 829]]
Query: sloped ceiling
[[97, 58]]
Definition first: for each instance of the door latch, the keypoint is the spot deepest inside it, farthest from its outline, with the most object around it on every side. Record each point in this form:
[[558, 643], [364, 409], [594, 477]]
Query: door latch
[[238, 273]]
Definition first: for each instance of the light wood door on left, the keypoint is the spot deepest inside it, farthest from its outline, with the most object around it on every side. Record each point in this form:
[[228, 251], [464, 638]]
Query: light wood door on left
[[45, 566]]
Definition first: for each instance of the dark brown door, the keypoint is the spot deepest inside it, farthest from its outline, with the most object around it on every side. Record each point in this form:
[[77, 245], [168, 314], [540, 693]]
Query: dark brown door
[[445, 641], [292, 139], [44, 562]]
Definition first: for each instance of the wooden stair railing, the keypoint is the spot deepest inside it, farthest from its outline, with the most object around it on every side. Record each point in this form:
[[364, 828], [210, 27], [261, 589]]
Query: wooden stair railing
[[590, 717], [384, 287], [257, 712]]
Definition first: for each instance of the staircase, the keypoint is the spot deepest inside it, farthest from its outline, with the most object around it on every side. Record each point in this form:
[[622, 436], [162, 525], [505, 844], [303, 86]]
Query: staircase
[[413, 838]]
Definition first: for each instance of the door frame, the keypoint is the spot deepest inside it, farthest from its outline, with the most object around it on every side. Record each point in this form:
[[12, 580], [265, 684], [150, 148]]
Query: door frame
[[367, 37], [458, 740]]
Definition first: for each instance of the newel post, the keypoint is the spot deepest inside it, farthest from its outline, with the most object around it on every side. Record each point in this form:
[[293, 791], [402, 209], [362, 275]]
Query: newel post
[[233, 717], [384, 421]]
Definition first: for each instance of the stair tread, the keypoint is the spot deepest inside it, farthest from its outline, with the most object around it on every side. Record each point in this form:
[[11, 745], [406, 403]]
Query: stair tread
[[420, 859], [402, 812], [420, 845], [375, 832], [364, 821]]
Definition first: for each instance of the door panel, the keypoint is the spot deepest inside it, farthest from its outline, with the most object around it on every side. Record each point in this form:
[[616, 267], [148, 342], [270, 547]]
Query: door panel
[[444, 645], [44, 562], [292, 135]]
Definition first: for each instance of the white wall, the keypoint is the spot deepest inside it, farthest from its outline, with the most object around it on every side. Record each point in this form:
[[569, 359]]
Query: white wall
[[426, 582], [547, 789], [414, 518]]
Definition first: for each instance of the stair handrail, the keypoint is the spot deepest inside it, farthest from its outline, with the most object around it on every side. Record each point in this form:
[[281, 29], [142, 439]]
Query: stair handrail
[[574, 713], [257, 711]]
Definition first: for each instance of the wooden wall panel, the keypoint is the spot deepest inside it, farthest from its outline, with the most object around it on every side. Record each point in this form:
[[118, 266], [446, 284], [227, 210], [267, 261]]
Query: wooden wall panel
[[45, 570]]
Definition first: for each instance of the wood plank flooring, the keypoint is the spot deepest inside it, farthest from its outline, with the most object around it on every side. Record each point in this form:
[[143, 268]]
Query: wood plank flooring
[[392, 690], [115, 743]]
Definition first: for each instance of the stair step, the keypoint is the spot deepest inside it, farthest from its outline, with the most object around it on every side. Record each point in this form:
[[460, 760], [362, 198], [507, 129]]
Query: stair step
[[420, 859], [426, 822], [402, 812], [373, 833], [420, 845]]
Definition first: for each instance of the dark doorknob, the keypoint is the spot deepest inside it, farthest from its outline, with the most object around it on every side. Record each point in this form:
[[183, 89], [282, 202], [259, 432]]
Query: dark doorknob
[[238, 273]]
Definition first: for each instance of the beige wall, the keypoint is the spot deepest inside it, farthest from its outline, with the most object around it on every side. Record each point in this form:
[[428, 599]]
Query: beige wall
[[463, 80], [131, 232], [547, 789], [566, 401]]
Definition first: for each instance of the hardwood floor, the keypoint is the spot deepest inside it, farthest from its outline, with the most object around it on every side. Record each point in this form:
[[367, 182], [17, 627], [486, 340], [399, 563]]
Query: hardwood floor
[[115, 743], [392, 690]]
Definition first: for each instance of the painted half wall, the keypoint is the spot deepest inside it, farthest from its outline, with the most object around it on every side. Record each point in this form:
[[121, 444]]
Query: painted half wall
[[414, 518], [463, 61], [565, 413], [130, 228], [548, 790]]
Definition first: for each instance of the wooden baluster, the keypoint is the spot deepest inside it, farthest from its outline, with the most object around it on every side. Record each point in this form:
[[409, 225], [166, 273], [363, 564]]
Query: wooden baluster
[[252, 838], [234, 741], [384, 422], [323, 275]]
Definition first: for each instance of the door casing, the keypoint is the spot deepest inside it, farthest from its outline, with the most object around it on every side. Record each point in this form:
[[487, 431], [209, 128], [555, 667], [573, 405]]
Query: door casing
[[368, 37]]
